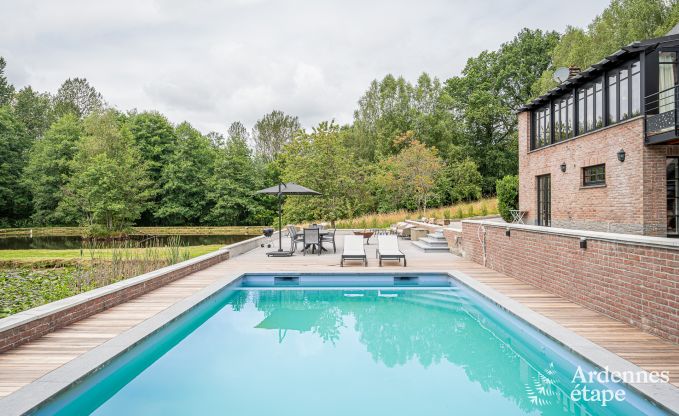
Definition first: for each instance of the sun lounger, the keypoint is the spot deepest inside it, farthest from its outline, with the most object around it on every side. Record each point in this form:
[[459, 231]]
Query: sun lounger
[[353, 249], [387, 249]]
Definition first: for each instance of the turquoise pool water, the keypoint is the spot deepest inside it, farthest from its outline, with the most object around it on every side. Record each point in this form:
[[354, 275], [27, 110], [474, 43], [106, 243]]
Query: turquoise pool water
[[409, 349]]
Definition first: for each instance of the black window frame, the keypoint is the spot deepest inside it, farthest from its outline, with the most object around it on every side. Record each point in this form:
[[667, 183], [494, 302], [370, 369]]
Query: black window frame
[[596, 178], [544, 200], [600, 107], [542, 117], [564, 105], [629, 83], [673, 184]]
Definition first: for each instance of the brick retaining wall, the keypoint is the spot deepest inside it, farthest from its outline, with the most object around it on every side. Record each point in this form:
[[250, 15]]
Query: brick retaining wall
[[633, 279]]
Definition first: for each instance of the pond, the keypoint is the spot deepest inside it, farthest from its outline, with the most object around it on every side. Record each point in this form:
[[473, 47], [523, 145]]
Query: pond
[[76, 242]]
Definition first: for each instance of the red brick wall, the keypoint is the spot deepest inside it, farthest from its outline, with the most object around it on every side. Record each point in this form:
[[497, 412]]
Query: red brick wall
[[39, 327], [454, 239], [635, 284], [634, 197]]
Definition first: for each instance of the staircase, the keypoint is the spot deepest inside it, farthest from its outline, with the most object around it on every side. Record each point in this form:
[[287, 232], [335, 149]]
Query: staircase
[[433, 243]]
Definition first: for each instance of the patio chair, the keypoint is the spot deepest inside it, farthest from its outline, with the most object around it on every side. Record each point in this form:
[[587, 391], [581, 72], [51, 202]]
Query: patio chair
[[387, 249], [353, 249], [312, 237], [295, 237], [330, 238]]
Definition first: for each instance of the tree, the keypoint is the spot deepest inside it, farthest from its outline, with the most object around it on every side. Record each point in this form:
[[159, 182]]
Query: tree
[[460, 181], [6, 89], [320, 161], [413, 171], [49, 168], [155, 137], [232, 187], [384, 112], [34, 110], [621, 23], [184, 179], [109, 186], [507, 195], [485, 97], [272, 132], [14, 146], [238, 131], [77, 96]]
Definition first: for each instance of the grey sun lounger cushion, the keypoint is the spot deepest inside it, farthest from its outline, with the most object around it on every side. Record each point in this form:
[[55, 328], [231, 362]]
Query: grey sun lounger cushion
[[387, 249], [353, 249]]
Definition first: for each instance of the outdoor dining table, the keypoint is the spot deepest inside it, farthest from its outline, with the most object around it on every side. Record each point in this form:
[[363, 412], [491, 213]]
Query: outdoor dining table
[[321, 233]]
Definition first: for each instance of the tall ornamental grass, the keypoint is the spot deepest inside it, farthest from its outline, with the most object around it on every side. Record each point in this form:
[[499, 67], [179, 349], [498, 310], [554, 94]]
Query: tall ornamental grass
[[482, 207]]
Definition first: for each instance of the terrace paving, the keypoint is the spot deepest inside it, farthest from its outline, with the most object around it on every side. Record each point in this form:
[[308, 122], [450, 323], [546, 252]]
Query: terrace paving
[[28, 362]]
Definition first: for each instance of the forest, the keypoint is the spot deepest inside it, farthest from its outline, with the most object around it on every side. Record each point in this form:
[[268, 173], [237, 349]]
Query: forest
[[69, 158]]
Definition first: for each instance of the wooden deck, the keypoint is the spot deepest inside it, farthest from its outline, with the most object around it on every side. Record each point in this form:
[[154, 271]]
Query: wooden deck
[[31, 361]]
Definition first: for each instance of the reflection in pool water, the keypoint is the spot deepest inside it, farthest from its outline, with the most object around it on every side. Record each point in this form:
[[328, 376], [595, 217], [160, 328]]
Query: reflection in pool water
[[340, 352]]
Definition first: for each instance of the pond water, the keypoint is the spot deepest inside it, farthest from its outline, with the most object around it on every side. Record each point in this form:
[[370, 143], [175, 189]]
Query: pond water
[[76, 242]]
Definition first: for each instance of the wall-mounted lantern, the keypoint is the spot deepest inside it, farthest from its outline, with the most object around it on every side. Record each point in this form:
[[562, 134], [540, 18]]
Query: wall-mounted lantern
[[563, 167], [621, 155], [583, 243]]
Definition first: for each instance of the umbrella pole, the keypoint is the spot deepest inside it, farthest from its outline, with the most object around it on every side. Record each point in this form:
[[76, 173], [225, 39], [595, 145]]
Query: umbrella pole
[[280, 220]]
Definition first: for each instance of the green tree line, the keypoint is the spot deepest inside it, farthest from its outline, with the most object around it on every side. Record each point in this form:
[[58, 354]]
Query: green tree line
[[68, 158]]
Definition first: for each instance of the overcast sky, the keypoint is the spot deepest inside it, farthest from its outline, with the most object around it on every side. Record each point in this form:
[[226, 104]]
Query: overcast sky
[[213, 62]]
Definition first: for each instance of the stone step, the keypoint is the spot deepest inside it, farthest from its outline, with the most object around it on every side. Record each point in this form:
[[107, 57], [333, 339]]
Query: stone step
[[438, 236], [434, 241], [428, 248]]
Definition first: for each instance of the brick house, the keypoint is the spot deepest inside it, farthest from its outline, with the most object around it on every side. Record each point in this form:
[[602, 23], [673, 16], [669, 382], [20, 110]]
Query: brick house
[[601, 151]]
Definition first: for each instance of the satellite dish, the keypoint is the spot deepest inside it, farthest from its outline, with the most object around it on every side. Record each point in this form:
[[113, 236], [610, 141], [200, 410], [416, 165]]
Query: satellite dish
[[561, 74]]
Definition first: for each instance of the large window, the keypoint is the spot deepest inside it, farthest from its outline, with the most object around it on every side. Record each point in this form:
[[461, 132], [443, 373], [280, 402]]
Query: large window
[[673, 196], [564, 125], [594, 175], [624, 92], [542, 132], [592, 106], [667, 79]]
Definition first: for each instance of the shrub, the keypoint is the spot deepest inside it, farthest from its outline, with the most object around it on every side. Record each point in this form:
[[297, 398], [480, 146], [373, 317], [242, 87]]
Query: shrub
[[507, 190]]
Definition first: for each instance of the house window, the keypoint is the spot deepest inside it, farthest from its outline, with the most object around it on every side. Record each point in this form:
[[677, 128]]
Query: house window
[[542, 132], [591, 107], [563, 119], [673, 197], [613, 97], [636, 89], [594, 175], [624, 92], [667, 78]]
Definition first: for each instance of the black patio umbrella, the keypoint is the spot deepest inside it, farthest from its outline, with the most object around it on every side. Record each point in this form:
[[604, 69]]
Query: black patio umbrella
[[281, 189]]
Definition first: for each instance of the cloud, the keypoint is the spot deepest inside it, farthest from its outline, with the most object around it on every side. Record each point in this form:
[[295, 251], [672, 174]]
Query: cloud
[[212, 62]]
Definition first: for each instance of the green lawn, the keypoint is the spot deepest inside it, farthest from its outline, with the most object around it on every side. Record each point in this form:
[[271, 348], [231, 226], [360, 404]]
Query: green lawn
[[28, 256]]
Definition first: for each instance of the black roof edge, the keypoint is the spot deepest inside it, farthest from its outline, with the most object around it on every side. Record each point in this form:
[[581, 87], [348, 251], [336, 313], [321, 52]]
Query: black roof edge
[[599, 67]]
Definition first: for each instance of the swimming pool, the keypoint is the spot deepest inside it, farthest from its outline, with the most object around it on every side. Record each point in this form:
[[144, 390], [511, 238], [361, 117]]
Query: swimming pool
[[343, 344]]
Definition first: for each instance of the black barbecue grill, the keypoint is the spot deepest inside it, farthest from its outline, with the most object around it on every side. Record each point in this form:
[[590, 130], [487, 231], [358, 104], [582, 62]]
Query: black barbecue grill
[[268, 234]]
